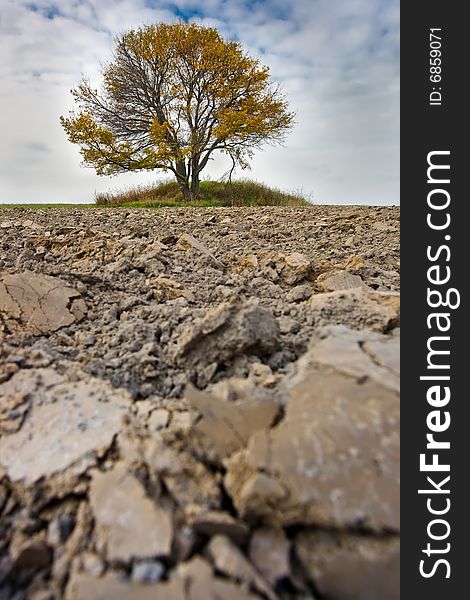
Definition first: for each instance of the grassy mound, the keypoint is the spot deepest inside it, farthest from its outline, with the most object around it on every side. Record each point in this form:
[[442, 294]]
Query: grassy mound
[[212, 193]]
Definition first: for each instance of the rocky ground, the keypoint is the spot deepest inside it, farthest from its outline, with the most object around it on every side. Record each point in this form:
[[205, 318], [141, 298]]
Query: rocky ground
[[199, 404]]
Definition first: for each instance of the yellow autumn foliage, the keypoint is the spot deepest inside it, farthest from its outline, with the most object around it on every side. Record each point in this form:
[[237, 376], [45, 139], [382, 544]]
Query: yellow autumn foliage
[[173, 95]]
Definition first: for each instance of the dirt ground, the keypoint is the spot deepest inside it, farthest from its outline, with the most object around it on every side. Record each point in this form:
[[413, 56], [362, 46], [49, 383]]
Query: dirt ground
[[199, 403]]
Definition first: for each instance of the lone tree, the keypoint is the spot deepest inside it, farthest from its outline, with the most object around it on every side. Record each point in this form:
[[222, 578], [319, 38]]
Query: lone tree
[[172, 96]]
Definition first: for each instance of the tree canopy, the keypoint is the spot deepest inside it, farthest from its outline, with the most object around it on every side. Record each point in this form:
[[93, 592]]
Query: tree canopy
[[172, 95]]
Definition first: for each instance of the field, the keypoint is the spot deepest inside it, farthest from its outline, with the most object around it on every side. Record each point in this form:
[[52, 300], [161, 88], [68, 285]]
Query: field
[[206, 395]]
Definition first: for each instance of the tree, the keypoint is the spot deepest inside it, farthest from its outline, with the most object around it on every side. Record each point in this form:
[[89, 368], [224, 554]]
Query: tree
[[172, 95]]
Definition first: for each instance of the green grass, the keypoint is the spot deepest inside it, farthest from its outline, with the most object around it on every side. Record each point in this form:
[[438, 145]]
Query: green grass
[[212, 193], [167, 193], [162, 203]]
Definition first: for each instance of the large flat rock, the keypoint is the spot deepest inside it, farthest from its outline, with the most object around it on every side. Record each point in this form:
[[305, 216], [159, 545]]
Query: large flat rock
[[332, 461], [69, 425], [39, 303]]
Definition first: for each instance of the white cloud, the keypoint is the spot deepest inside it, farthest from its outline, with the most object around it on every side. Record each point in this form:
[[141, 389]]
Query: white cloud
[[337, 62]]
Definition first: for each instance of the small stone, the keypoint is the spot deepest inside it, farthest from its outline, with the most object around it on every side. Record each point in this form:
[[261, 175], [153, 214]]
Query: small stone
[[243, 262], [297, 267], [81, 287], [169, 289], [92, 564], [181, 420], [59, 530], [144, 408], [288, 325], [380, 226], [299, 293], [354, 262], [269, 552], [7, 370], [211, 522], [147, 572], [90, 340], [256, 495], [200, 583], [184, 541], [340, 280], [228, 330], [251, 260], [158, 419], [195, 572], [227, 426], [112, 314], [260, 371], [187, 479], [270, 273], [228, 559], [263, 375], [146, 389], [235, 388], [186, 240], [357, 308], [130, 524], [31, 225]]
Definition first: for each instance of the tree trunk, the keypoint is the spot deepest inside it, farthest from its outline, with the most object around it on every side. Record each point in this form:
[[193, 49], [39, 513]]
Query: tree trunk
[[195, 178], [184, 187], [182, 179], [195, 186]]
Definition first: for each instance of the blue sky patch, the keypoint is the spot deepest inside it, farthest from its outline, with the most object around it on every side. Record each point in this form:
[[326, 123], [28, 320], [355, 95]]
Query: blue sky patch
[[50, 12]]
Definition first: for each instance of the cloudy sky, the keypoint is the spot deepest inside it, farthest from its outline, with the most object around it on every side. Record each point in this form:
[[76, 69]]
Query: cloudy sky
[[337, 62]]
